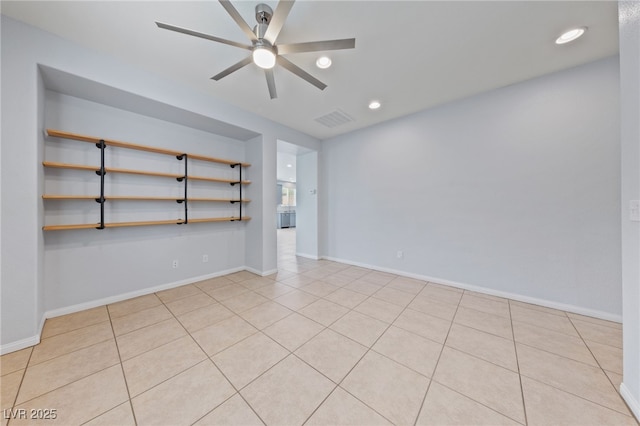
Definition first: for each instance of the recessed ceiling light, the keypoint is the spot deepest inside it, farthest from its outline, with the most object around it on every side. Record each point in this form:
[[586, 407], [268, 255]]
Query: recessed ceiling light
[[571, 35], [289, 165], [323, 62], [374, 105]]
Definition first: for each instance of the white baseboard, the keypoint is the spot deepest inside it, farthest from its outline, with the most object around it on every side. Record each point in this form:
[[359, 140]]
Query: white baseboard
[[34, 340], [261, 273], [120, 297], [20, 344], [633, 403], [24, 343], [471, 287], [309, 256]]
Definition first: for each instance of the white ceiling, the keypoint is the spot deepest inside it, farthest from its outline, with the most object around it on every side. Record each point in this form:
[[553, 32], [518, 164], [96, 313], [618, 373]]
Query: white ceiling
[[409, 55], [286, 167]]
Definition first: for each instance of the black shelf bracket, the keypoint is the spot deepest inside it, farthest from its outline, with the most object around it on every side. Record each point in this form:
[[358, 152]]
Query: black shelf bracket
[[185, 178], [186, 181], [240, 186], [101, 145]]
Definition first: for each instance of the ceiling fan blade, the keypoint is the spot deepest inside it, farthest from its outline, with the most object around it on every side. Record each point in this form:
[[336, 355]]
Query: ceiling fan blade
[[315, 46], [277, 20], [236, 17], [300, 72], [202, 35], [271, 83], [232, 68]]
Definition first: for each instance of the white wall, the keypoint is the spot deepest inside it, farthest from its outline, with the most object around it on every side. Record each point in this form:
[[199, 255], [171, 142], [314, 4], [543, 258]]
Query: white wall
[[87, 265], [23, 294], [629, 17], [515, 191], [284, 173], [261, 256], [21, 207], [307, 206]]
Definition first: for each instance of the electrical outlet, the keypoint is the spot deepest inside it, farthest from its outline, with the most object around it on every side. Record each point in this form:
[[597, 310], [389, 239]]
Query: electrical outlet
[[205, 258], [400, 254], [175, 263]]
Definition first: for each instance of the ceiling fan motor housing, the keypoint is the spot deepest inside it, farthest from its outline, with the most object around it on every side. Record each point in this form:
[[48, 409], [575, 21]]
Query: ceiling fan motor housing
[[263, 13]]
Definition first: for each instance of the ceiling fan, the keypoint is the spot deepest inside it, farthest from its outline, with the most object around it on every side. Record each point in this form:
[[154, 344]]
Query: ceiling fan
[[265, 53]]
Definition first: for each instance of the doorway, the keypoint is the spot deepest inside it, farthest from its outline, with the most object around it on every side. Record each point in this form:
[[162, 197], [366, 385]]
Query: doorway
[[297, 210]]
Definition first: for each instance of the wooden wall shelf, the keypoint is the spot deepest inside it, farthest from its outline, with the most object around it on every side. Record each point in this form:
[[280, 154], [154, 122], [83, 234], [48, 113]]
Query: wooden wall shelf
[[96, 169], [137, 198], [142, 223], [111, 142], [101, 171]]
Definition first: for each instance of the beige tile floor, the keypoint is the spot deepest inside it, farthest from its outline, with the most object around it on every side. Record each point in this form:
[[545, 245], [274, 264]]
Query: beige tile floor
[[319, 343]]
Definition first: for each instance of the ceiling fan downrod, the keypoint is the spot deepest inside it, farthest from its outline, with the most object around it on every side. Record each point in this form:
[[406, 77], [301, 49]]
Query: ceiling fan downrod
[[263, 16]]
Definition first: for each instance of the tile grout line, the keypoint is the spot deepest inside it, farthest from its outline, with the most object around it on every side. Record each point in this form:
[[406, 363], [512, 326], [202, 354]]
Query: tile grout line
[[81, 378], [321, 402], [483, 360], [237, 391], [435, 368], [601, 370], [512, 340], [75, 329], [66, 353], [562, 356], [613, 410], [126, 383], [66, 384], [188, 334], [542, 326], [292, 352], [348, 372], [355, 364], [24, 374], [515, 350], [370, 348], [406, 307]]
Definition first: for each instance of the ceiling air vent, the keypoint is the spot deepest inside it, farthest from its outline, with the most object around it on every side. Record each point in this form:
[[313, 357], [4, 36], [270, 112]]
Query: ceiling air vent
[[334, 119]]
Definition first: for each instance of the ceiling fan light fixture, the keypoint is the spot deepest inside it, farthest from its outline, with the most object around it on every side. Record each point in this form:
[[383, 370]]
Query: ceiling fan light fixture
[[571, 35], [264, 57], [323, 62], [266, 50]]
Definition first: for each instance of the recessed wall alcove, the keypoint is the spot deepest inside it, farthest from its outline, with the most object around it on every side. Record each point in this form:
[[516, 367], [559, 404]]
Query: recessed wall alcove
[[81, 268]]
